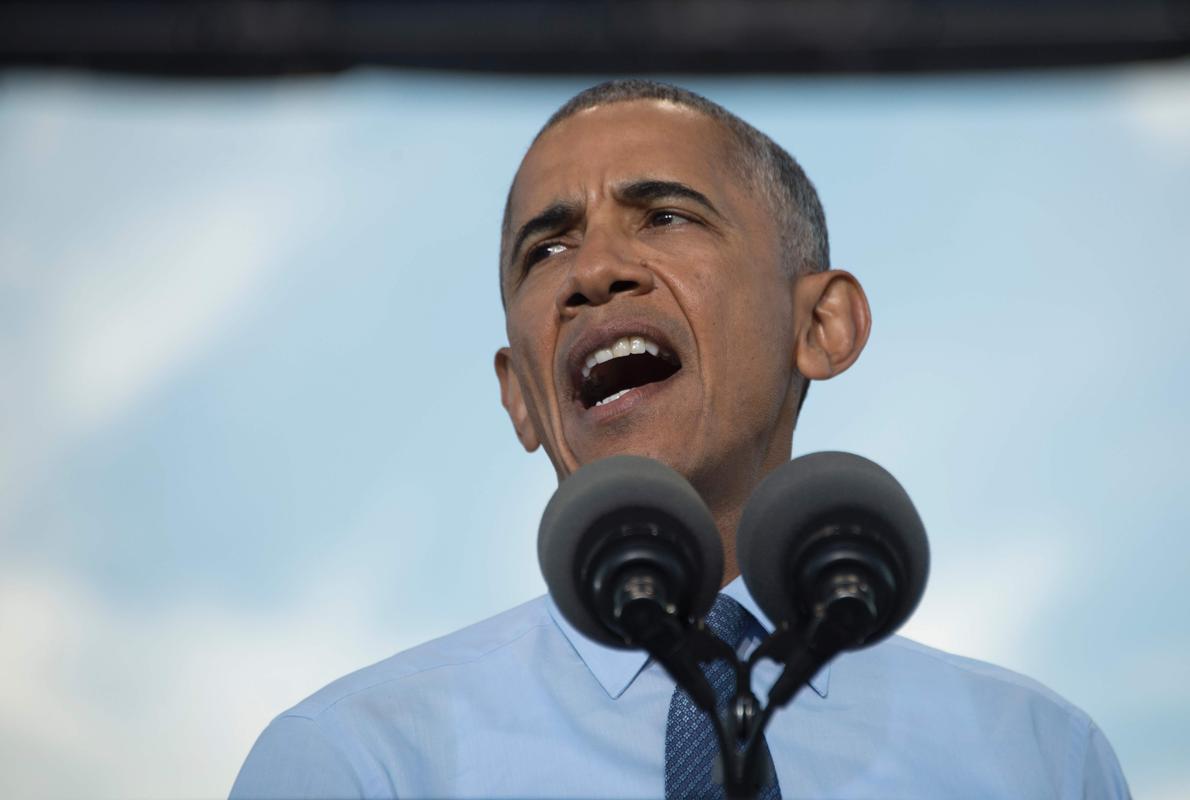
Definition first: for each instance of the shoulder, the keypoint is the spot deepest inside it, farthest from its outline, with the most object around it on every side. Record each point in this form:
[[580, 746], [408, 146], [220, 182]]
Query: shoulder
[[1006, 729], [940, 670], [968, 696], [353, 737], [962, 723], [476, 649]]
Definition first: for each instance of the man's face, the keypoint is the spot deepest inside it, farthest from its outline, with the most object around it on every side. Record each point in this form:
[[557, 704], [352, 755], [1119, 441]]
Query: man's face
[[647, 310]]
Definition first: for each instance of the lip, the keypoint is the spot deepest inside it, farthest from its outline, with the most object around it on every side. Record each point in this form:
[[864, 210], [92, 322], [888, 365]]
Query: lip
[[602, 334]]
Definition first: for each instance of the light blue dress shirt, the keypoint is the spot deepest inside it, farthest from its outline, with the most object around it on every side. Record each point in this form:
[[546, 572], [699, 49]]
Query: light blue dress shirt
[[523, 706]]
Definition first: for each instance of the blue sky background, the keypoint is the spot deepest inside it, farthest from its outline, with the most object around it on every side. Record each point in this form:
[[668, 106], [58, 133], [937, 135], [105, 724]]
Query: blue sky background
[[250, 436]]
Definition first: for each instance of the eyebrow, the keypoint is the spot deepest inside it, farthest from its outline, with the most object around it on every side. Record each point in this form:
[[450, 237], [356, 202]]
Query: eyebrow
[[649, 191], [565, 214]]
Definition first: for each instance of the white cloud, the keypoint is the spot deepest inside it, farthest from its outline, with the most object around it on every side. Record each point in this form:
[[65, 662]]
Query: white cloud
[[984, 602], [166, 286], [118, 315], [1163, 662], [1168, 788], [1156, 106], [98, 701]]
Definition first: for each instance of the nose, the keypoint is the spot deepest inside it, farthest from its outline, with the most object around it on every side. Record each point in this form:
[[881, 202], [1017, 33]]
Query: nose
[[602, 268]]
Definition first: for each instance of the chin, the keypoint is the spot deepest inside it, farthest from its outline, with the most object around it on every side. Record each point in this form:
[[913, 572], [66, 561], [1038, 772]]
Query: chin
[[673, 454]]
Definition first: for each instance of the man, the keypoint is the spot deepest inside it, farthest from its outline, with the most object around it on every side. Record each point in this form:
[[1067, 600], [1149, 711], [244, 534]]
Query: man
[[664, 270]]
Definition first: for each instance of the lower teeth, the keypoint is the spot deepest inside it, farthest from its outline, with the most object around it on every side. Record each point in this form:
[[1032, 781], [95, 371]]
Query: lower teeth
[[612, 397]]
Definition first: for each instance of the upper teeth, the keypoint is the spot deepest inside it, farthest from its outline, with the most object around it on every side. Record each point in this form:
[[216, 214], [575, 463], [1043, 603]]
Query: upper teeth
[[624, 346]]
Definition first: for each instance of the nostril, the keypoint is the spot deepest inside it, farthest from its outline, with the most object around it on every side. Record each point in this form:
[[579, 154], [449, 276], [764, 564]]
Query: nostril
[[622, 286], [577, 299]]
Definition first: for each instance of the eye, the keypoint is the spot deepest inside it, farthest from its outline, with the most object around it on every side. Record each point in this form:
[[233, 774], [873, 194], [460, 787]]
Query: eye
[[662, 219], [542, 252]]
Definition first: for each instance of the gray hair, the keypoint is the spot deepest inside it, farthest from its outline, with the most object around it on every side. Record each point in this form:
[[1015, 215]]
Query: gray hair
[[790, 194]]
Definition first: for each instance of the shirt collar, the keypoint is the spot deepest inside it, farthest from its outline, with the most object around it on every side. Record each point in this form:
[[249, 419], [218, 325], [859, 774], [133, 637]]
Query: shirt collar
[[616, 669]]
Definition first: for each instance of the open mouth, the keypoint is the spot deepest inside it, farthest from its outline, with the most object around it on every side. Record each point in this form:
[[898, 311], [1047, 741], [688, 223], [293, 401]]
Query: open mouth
[[612, 370]]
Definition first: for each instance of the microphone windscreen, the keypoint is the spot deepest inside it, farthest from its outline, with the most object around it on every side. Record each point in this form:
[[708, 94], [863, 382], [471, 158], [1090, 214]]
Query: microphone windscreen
[[627, 488], [798, 500]]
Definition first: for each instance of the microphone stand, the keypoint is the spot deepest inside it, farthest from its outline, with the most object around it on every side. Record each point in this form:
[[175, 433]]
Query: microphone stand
[[844, 615]]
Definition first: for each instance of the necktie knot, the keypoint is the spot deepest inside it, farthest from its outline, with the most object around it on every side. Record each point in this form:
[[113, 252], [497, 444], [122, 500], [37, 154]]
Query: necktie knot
[[729, 620]]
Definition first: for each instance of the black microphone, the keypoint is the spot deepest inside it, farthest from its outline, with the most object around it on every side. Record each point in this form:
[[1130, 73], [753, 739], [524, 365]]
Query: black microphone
[[832, 548], [627, 545]]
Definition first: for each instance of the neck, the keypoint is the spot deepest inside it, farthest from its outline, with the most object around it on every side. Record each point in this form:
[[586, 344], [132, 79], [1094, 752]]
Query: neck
[[726, 498], [726, 502], [728, 520]]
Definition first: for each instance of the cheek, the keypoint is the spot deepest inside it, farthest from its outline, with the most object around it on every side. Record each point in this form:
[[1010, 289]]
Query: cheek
[[533, 351], [529, 313], [751, 322], [535, 365], [538, 289]]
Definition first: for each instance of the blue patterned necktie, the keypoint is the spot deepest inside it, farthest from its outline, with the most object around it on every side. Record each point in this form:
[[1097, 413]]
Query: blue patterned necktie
[[691, 747]]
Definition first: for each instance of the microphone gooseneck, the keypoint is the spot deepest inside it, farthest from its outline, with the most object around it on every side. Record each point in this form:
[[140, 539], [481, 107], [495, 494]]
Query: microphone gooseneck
[[834, 552], [829, 544]]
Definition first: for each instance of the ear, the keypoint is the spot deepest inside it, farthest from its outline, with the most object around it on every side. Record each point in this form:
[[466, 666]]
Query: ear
[[833, 320], [514, 401]]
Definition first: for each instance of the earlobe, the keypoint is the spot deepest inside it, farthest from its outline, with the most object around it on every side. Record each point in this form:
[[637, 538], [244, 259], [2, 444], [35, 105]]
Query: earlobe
[[514, 401], [833, 322]]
